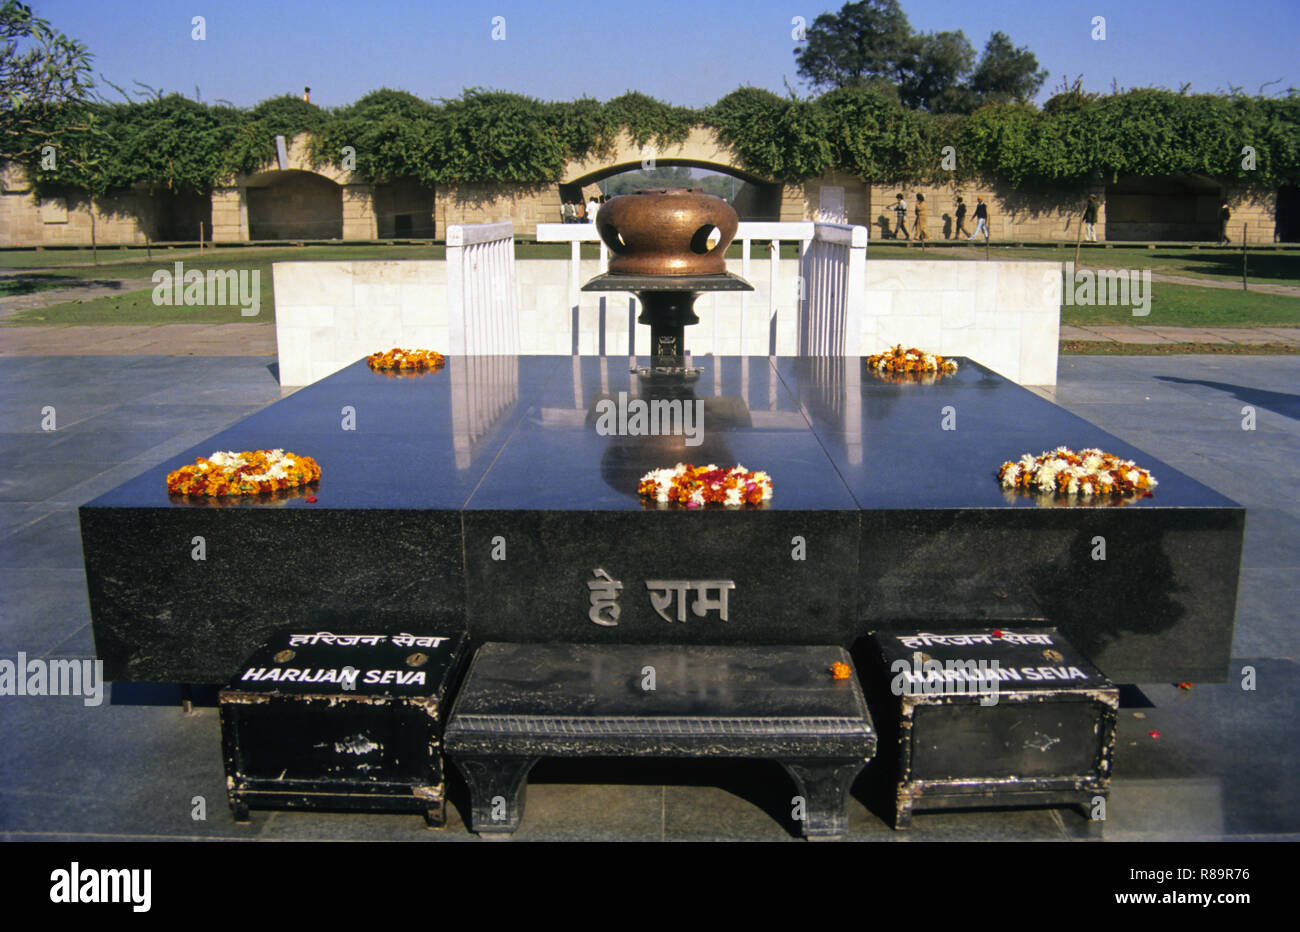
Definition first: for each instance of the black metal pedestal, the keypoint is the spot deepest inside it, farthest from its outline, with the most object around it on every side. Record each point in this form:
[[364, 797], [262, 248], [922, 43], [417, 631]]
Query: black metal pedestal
[[668, 306]]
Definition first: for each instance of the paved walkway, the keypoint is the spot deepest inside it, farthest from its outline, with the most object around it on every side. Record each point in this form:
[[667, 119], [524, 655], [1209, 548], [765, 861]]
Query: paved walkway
[[1291, 291], [1248, 336], [145, 339]]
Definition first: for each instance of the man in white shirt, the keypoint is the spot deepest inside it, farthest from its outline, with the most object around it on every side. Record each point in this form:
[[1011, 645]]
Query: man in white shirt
[[592, 206]]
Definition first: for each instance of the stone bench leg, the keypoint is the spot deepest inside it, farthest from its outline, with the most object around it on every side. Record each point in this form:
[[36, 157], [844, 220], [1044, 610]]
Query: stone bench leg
[[496, 791], [824, 786]]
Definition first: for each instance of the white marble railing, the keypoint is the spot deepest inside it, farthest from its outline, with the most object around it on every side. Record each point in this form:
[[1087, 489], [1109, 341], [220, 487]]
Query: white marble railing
[[747, 233], [482, 302], [833, 285]]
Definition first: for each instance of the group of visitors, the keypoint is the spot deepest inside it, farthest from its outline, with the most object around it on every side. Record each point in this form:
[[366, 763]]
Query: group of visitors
[[900, 214], [981, 218], [578, 212]]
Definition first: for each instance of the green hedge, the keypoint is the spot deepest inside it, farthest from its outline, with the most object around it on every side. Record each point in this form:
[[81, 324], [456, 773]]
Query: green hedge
[[175, 144]]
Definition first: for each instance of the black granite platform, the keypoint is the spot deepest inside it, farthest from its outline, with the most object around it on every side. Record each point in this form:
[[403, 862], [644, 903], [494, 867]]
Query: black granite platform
[[903, 523]]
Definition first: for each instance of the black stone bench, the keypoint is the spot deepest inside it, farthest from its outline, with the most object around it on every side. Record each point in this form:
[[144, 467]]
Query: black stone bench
[[523, 702]]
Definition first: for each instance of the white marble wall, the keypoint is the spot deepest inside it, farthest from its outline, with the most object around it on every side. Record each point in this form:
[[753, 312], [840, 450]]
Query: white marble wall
[[330, 314], [1004, 314]]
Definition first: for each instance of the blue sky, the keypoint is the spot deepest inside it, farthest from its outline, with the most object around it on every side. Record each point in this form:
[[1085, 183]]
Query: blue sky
[[687, 53]]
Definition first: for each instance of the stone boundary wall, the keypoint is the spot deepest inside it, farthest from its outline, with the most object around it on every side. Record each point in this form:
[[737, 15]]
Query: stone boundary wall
[[1032, 214]]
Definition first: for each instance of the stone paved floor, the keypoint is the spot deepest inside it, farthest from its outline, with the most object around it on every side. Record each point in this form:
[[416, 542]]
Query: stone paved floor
[[1226, 763]]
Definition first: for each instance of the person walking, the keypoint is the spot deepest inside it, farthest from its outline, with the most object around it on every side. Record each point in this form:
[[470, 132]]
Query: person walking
[[919, 224], [1090, 219], [900, 216], [961, 220], [1224, 216], [981, 219]]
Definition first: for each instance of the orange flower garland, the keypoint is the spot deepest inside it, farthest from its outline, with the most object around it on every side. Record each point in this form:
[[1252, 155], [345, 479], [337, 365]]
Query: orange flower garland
[[840, 671], [402, 359], [695, 486], [1087, 473], [248, 473], [911, 361]]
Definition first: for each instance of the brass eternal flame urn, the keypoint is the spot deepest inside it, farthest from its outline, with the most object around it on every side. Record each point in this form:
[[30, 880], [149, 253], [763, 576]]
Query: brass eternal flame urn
[[668, 246]]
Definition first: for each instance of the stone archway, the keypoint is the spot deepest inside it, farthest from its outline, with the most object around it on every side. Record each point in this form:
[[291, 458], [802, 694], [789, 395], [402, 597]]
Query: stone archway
[[760, 199], [294, 205], [294, 199], [1163, 207]]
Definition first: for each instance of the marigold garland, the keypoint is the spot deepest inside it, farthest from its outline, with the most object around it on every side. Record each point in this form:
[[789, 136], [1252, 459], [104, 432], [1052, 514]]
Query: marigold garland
[[405, 359], [1087, 473], [695, 486], [909, 362], [247, 473]]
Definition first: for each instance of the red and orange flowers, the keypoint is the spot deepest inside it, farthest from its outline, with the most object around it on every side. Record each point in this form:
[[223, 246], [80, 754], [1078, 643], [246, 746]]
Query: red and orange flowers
[[913, 361], [1087, 473], [249, 473], [403, 360], [696, 486]]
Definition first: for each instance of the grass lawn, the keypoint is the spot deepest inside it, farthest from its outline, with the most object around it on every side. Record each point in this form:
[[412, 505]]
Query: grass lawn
[[1189, 306], [137, 307], [1171, 305], [1280, 267], [135, 262]]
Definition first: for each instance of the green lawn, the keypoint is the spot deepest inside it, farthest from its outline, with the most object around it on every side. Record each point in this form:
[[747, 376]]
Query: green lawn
[[1190, 306], [137, 307], [135, 262], [1280, 267], [1171, 305]]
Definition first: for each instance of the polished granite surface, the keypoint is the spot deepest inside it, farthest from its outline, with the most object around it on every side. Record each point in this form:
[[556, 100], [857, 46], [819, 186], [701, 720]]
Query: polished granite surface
[[495, 487], [522, 432]]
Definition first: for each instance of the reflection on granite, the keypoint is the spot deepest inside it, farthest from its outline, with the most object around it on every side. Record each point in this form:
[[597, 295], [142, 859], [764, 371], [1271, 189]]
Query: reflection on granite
[[485, 490]]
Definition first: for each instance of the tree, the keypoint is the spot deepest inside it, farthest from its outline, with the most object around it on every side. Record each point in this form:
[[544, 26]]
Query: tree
[[865, 43], [938, 82], [1006, 74], [37, 64], [44, 84]]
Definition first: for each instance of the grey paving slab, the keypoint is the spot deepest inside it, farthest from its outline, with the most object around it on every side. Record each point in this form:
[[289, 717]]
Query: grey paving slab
[[112, 769], [1183, 784], [53, 542], [1268, 605], [39, 484], [18, 515], [41, 609], [26, 417]]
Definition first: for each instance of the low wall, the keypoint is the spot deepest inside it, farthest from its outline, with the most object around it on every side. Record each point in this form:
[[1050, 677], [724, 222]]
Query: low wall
[[1004, 314]]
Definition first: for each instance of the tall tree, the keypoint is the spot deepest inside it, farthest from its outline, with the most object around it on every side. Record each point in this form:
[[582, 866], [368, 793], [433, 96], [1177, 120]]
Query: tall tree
[[938, 81], [1006, 74], [44, 109], [866, 42], [37, 64]]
